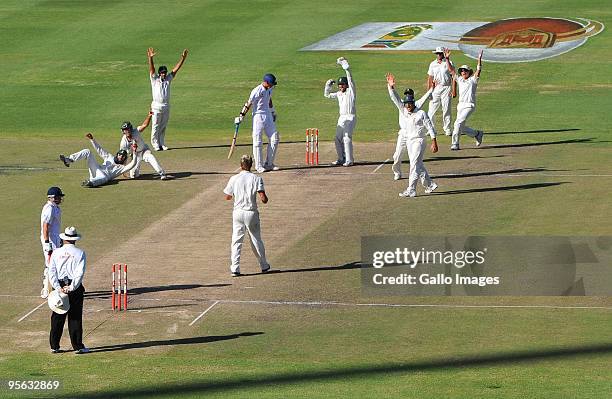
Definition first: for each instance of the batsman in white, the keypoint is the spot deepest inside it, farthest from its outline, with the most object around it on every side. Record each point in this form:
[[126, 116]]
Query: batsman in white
[[264, 119], [439, 78], [467, 82], [413, 123], [400, 145], [111, 167], [50, 224], [131, 136], [244, 188], [348, 118], [160, 89]]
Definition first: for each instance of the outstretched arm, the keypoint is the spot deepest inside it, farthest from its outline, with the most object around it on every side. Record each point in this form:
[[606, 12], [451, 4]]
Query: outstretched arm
[[479, 67], [419, 103], [179, 64], [327, 92], [101, 151], [150, 54], [392, 93], [145, 123], [451, 68]]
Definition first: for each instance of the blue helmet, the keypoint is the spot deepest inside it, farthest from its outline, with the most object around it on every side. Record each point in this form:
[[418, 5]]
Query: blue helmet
[[270, 79], [54, 192], [408, 99]]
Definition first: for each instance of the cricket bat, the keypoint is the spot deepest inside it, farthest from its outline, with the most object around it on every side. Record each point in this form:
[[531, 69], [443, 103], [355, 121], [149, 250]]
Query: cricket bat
[[233, 146]]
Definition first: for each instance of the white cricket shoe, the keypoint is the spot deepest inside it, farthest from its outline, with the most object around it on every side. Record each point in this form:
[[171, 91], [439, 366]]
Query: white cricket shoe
[[431, 188], [163, 147], [338, 162], [260, 170], [407, 194], [166, 177], [348, 164], [271, 167], [454, 147], [479, 134], [81, 351]]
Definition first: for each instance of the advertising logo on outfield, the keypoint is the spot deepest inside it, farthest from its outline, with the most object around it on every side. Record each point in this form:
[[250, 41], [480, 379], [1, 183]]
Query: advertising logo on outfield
[[507, 40]]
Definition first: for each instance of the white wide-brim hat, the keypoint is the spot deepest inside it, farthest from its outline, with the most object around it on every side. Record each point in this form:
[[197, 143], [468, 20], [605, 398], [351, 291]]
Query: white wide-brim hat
[[466, 67], [70, 234], [439, 50], [58, 302]]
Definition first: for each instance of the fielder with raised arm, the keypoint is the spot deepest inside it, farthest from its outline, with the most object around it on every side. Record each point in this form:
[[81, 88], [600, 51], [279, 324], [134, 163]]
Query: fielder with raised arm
[[264, 119], [160, 89], [348, 118], [131, 135], [400, 145], [439, 79], [244, 188], [467, 82], [111, 167], [413, 124]]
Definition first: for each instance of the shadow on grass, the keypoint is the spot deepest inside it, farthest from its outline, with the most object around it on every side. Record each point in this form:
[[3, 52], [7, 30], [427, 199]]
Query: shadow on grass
[[538, 131], [346, 266], [514, 358], [158, 288], [502, 188], [495, 172], [171, 342], [572, 141]]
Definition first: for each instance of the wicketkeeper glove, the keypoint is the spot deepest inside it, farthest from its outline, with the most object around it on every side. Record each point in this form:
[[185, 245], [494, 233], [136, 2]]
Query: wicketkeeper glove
[[330, 82], [343, 63]]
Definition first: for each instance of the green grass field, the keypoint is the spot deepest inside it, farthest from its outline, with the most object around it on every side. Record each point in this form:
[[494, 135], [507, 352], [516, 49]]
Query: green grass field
[[76, 66]]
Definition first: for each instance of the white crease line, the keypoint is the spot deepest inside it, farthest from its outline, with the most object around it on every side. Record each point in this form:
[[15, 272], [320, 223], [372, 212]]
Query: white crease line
[[391, 305], [31, 311], [381, 165], [203, 313]]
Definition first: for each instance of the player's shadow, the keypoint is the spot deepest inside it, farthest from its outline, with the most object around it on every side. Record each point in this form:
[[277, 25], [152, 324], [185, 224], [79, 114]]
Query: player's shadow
[[494, 172], [537, 131], [159, 288], [178, 175], [571, 141], [346, 266], [171, 342], [502, 188], [472, 363]]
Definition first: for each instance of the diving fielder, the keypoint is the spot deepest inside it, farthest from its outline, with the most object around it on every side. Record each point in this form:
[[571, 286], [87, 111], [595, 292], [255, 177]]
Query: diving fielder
[[440, 80], [112, 166], [50, 223], [264, 118], [347, 119], [467, 83], [244, 188], [413, 123], [131, 136], [400, 145], [160, 89]]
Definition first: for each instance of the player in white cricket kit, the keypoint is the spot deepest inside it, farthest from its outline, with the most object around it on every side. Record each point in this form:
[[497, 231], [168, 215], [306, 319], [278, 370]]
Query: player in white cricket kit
[[440, 79], [50, 223], [111, 167], [264, 118], [400, 145], [160, 89], [413, 124], [131, 136], [244, 188], [467, 83], [348, 118]]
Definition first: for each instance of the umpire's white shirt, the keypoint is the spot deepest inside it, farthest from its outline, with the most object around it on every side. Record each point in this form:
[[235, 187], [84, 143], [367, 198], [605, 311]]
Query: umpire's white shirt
[[69, 262], [160, 89], [244, 188]]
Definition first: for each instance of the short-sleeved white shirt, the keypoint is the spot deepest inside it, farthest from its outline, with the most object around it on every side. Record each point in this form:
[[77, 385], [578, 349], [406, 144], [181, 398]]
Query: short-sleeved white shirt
[[244, 188], [260, 99], [440, 73], [467, 89], [51, 214], [136, 138], [160, 91]]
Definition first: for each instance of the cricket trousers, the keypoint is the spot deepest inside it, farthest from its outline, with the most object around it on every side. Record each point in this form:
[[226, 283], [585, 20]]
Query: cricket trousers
[[159, 122], [416, 150], [441, 96], [75, 321], [464, 110], [264, 123], [97, 176], [344, 138], [243, 222]]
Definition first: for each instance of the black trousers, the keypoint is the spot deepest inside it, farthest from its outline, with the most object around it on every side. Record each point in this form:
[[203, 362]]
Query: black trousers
[[75, 322]]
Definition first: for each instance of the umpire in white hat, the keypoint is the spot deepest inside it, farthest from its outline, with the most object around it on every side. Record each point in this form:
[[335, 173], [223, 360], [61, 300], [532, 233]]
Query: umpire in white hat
[[66, 271]]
